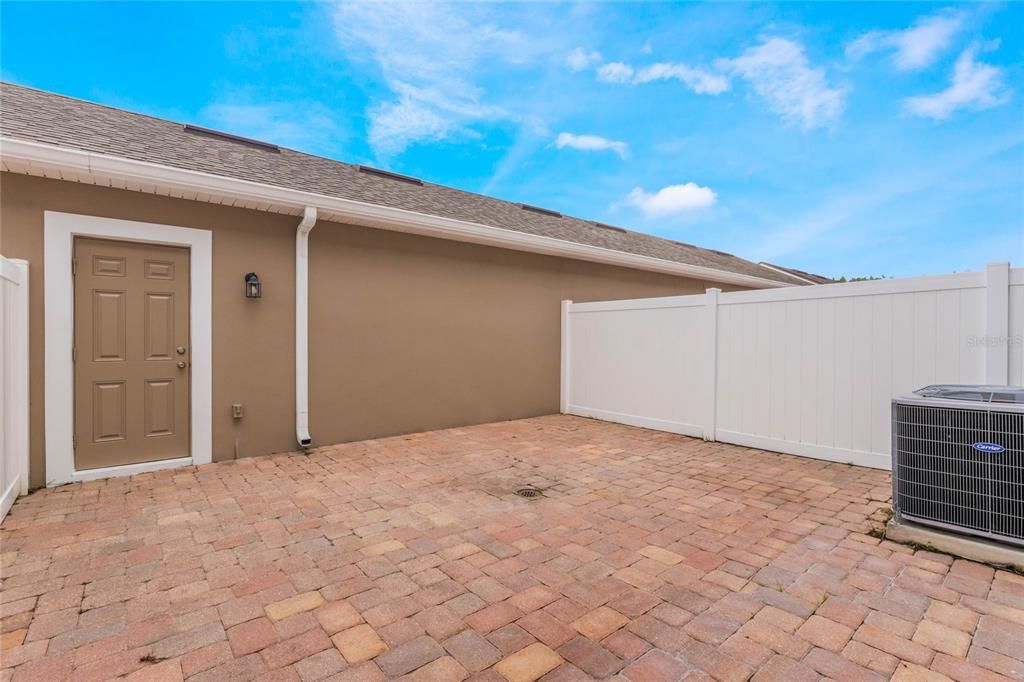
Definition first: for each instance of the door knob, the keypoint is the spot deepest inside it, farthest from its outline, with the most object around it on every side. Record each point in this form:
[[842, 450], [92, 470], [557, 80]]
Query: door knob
[[180, 350], [181, 364]]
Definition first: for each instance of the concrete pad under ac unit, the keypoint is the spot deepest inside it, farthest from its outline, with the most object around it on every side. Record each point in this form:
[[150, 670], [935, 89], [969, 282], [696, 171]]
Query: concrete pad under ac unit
[[975, 549]]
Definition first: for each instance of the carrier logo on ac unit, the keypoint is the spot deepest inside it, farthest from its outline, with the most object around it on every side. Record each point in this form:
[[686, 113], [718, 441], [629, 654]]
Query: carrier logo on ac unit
[[991, 448]]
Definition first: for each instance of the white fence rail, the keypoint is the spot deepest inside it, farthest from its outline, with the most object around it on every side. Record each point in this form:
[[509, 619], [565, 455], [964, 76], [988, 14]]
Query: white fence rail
[[13, 381], [804, 370]]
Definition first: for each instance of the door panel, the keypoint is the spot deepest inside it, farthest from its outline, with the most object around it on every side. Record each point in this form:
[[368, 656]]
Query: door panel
[[131, 334], [108, 265], [157, 269], [159, 326], [108, 330], [159, 407], [109, 409]]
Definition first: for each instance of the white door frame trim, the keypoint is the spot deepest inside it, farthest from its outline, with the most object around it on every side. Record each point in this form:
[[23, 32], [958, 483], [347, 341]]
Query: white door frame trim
[[59, 231]]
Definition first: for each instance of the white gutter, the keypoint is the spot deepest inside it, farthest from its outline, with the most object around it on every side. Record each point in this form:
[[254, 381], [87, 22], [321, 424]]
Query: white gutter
[[20, 156], [302, 326]]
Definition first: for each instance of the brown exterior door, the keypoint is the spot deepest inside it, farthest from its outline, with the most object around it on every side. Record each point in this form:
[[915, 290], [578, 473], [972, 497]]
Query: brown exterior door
[[132, 354]]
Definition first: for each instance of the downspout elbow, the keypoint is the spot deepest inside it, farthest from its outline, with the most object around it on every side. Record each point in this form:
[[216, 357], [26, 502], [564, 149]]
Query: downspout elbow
[[302, 327], [308, 221]]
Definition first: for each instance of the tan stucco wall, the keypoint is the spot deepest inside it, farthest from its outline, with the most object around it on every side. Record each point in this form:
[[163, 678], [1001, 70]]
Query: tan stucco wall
[[407, 333]]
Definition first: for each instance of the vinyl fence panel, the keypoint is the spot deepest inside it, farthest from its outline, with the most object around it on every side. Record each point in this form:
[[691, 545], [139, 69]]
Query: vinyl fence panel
[[629, 362], [804, 370], [1015, 338], [825, 364], [13, 382]]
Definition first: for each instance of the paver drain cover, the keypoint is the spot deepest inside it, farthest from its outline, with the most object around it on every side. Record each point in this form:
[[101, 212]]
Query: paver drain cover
[[529, 492]]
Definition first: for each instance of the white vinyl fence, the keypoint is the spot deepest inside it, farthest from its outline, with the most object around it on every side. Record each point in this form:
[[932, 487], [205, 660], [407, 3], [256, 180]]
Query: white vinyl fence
[[803, 370], [13, 381]]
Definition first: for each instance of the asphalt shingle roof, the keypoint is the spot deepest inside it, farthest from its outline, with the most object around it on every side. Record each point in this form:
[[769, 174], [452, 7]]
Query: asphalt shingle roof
[[46, 117]]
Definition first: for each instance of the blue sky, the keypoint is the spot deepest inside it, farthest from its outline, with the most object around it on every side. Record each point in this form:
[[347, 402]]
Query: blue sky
[[846, 139]]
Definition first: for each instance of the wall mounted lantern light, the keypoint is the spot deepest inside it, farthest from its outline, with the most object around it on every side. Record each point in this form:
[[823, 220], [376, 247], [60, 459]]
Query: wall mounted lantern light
[[253, 288]]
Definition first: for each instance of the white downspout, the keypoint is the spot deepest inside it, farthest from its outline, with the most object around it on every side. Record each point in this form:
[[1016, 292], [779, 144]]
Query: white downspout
[[302, 327]]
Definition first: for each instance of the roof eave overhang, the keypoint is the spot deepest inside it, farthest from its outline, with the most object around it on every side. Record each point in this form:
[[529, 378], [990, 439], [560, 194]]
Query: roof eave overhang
[[787, 273], [34, 158]]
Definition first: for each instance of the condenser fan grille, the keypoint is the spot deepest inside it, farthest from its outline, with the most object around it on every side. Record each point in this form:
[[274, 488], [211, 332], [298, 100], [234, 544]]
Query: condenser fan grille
[[960, 468]]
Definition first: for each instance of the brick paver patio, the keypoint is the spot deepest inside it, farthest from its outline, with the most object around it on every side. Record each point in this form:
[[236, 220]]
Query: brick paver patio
[[649, 557]]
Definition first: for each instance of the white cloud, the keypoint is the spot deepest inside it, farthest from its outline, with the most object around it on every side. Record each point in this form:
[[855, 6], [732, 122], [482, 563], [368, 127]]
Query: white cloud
[[975, 85], [780, 73], [424, 115], [299, 125], [579, 59], [615, 72], [914, 48], [672, 200], [777, 69], [700, 81], [591, 143], [427, 54], [396, 125]]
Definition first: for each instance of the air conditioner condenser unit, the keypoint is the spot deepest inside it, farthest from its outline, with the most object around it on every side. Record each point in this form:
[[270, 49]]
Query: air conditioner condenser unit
[[958, 460]]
